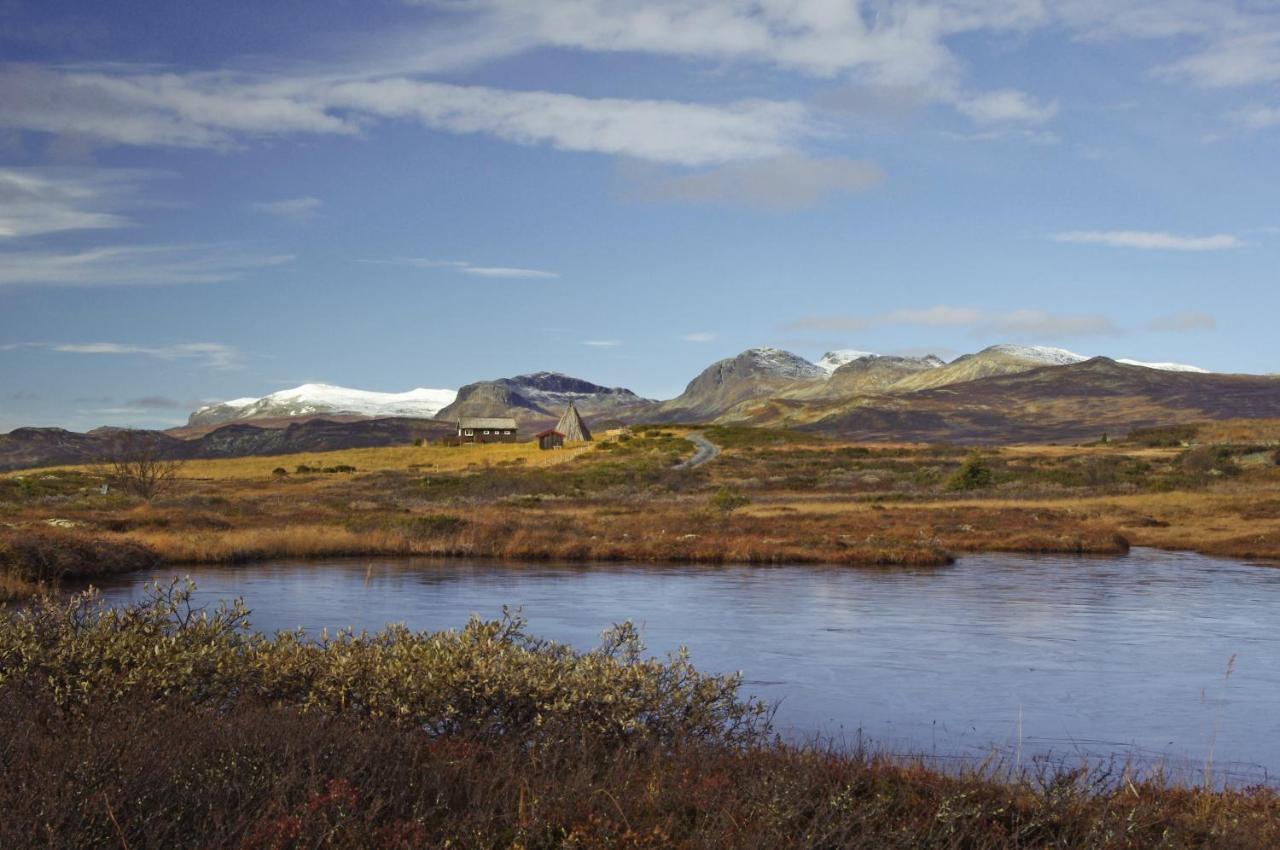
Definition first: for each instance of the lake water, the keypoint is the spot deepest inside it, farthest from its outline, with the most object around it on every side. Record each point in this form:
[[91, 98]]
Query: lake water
[[1022, 655]]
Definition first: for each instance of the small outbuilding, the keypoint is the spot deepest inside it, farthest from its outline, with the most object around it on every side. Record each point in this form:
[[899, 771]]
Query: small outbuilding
[[571, 426], [487, 430], [550, 439]]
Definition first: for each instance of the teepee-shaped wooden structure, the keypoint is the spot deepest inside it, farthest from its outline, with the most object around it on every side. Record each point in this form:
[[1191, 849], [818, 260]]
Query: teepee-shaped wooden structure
[[572, 426]]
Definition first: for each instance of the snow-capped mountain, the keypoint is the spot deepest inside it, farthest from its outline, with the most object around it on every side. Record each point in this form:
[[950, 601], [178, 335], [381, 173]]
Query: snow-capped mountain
[[833, 360], [1165, 367], [779, 363], [314, 399], [1038, 354]]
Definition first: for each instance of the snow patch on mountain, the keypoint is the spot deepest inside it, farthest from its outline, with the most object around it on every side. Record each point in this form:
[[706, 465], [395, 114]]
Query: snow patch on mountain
[[833, 360], [1165, 367], [1039, 354], [311, 399], [784, 364]]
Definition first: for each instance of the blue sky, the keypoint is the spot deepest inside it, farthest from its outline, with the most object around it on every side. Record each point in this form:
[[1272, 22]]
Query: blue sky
[[200, 202]]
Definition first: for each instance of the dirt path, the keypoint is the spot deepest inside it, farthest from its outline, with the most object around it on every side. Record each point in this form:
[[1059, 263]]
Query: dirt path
[[706, 451]]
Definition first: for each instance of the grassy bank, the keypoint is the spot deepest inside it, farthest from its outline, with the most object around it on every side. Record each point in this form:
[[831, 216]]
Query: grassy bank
[[156, 728], [770, 498]]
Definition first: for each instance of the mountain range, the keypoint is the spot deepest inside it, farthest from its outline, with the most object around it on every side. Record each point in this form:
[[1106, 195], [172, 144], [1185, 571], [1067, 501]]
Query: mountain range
[[1002, 393]]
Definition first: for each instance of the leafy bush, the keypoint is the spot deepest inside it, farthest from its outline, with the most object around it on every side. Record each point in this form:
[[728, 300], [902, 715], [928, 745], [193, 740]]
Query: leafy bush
[[279, 472], [490, 678], [727, 499], [973, 474]]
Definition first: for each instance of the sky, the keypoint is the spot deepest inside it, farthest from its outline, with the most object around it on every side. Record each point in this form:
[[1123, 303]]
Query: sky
[[216, 200]]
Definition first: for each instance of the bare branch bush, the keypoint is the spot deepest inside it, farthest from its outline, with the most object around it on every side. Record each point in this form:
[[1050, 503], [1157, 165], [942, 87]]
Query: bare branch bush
[[137, 464]]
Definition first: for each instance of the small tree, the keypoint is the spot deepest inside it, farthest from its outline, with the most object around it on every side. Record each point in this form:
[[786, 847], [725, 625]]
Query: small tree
[[138, 464], [726, 500], [973, 474]]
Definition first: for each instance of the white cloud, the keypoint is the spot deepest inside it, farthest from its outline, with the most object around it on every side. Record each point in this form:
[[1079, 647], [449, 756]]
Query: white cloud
[[212, 354], [657, 130], [205, 110], [1259, 117], [499, 271], [1149, 240], [778, 183], [1006, 106], [699, 336], [465, 267], [50, 200], [130, 265], [298, 209], [602, 343]]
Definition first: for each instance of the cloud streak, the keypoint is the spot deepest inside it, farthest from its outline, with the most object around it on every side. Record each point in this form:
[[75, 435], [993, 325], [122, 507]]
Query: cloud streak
[[131, 265], [1149, 240], [224, 111], [297, 209], [35, 201], [214, 355], [464, 267]]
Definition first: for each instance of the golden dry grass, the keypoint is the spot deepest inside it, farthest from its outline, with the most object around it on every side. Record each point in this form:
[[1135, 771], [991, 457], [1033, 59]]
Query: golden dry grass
[[427, 458]]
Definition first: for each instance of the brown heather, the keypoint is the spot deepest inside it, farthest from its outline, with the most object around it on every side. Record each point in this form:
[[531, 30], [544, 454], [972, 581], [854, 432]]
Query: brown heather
[[156, 728]]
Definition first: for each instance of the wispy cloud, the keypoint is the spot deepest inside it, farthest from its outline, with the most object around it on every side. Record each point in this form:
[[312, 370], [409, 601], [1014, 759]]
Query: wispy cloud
[[298, 209], [1188, 322], [224, 110], [1020, 323], [777, 183], [500, 271], [1149, 240], [602, 343], [212, 354], [132, 265], [464, 267], [699, 336], [35, 201]]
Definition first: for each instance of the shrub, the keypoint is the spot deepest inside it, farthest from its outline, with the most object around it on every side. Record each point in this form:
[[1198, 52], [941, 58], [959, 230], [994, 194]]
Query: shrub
[[973, 474], [418, 443], [51, 556], [727, 499], [280, 472], [433, 525], [303, 469], [1275, 457], [488, 679]]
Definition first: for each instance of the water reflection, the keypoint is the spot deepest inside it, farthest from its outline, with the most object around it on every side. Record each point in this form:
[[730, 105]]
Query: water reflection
[[1030, 654]]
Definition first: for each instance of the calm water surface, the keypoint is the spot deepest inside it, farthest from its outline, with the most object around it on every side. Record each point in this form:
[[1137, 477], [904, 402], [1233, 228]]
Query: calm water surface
[[1029, 655]]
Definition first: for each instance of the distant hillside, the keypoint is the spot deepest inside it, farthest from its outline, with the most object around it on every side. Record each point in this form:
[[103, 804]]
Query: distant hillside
[[538, 399], [753, 374], [1049, 403], [28, 447]]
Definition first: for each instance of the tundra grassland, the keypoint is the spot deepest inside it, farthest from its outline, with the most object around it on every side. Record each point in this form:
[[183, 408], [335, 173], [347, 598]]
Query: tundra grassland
[[220, 738], [771, 497]]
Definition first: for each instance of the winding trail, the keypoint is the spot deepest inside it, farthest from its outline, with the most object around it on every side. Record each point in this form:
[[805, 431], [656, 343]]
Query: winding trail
[[705, 451]]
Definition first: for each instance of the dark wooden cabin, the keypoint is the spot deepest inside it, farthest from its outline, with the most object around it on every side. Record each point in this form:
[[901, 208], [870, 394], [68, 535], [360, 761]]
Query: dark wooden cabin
[[490, 430]]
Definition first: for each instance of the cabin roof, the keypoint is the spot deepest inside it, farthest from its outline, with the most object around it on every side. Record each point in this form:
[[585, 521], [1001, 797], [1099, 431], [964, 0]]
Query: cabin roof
[[482, 422]]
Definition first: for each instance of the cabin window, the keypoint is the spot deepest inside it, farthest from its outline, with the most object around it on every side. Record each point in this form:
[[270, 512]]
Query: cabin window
[[486, 430], [468, 433]]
